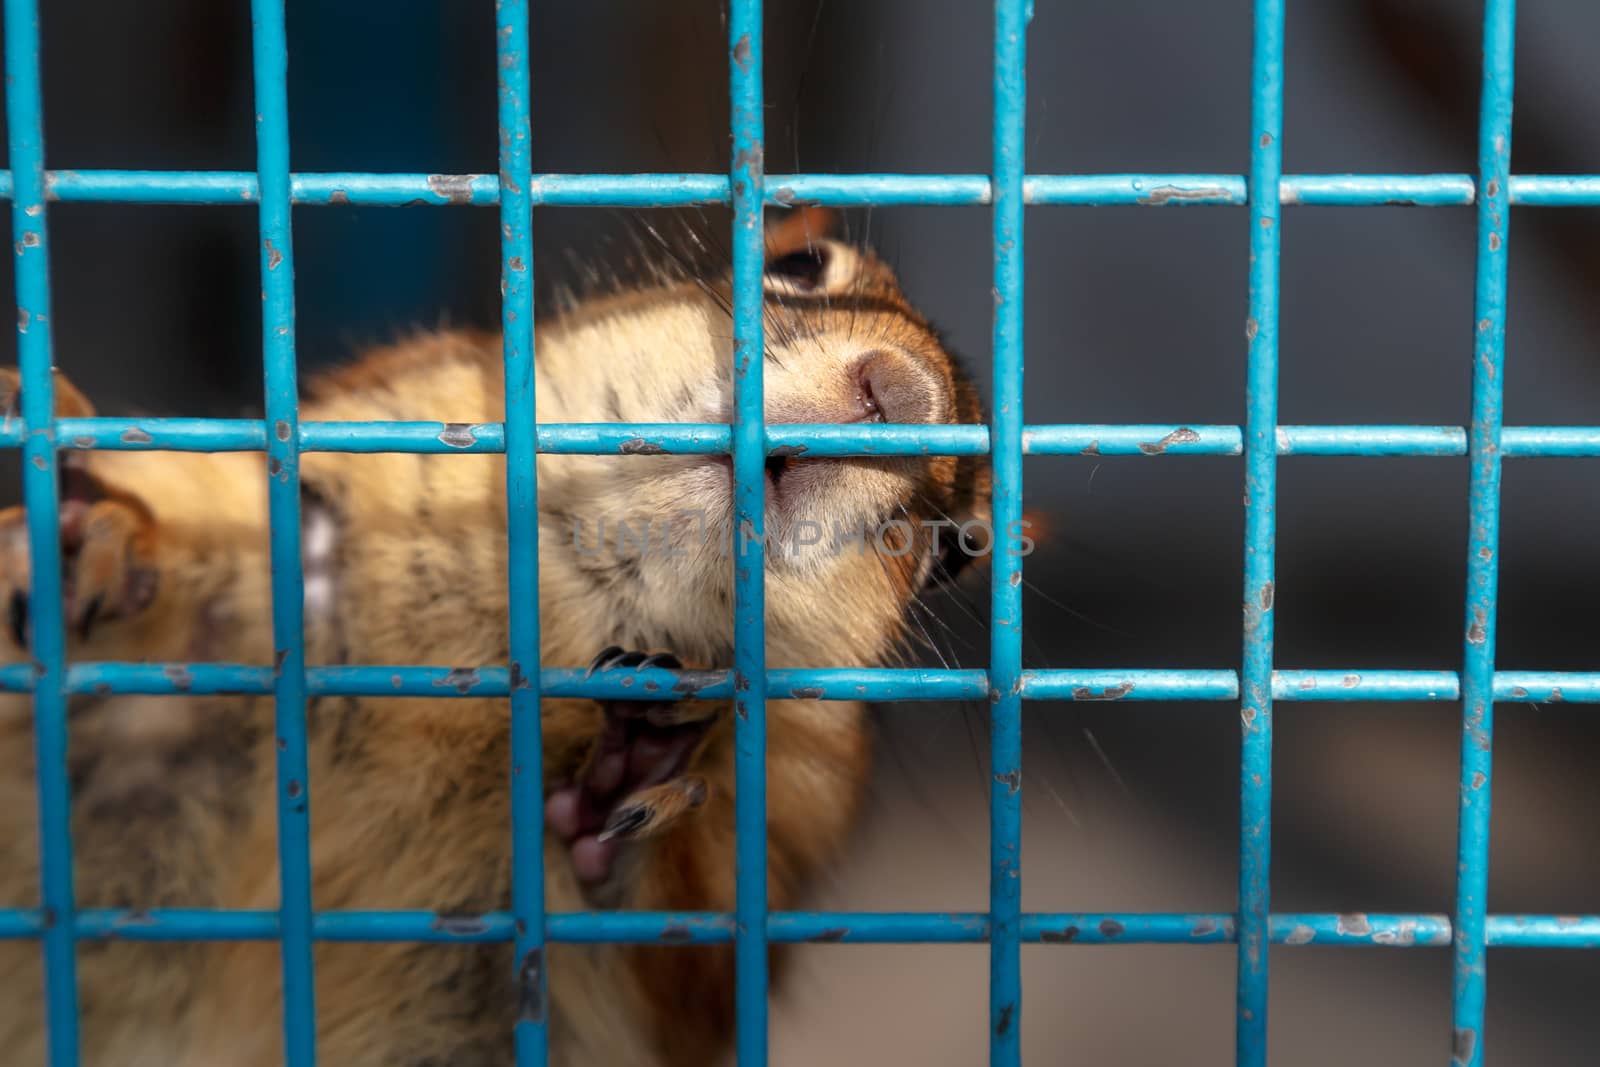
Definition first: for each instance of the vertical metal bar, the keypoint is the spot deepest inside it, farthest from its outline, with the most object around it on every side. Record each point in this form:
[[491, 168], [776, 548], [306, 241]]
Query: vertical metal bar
[[1005, 647], [283, 485], [749, 635], [522, 529], [25, 121], [1261, 503], [1483, 537]]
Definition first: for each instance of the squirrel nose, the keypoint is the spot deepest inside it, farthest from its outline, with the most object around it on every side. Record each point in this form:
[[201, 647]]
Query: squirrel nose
[[891, 386]]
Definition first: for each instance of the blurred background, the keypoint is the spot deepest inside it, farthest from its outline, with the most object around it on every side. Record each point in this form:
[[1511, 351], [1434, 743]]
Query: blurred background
[[1134, 315]]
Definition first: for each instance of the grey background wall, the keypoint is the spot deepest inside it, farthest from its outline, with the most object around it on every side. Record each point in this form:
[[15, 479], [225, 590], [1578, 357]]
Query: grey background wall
[[1134, 315]]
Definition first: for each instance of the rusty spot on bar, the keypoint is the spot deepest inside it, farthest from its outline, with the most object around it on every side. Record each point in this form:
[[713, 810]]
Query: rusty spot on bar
[[1405, 936], [1354, 925], [458, 435], [676, 933], [690, 683], [1466, 1043], [274, 257], [638, 446], [280, 429], [1065, 935], [530, 987], [806, 692], [1300, 935], [461, 678], [1011, 779], [179, 676], [456, 188], [1002, 1025], [339, 196], [1267, 592], [832, 933], [1110, 692], [1203, 928], [461, 925], [1166, 194], [1181, 436], [1111, 928], [135, 436]]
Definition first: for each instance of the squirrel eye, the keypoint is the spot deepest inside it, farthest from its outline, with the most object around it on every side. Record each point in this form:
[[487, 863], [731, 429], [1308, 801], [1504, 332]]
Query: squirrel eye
[[804, 269]]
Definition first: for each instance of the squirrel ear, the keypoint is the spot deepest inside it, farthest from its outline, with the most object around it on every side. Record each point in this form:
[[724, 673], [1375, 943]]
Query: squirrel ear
[[798, 229]]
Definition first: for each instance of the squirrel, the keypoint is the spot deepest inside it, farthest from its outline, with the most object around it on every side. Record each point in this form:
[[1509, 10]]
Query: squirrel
[[165, 559]]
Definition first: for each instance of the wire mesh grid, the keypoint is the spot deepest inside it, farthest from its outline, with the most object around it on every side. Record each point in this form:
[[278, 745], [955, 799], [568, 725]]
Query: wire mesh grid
[[58, 925]]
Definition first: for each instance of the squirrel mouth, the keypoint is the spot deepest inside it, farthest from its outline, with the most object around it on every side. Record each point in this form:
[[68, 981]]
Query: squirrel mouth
[[778, 469], [783, 474]]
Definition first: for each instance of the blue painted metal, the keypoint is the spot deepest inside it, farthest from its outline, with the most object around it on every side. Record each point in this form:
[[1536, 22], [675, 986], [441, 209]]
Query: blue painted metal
[[916, 684], [25, 123], [527, 807], [1005, 627], [1261, 503], [1483, 526], [522, 523], [1155, 439], [748, 177], [271, 55], [1050, 928], [841, 190]]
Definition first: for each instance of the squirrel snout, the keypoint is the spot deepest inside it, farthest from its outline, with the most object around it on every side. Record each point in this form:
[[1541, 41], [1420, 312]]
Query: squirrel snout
[[883, 385], [891, 386]]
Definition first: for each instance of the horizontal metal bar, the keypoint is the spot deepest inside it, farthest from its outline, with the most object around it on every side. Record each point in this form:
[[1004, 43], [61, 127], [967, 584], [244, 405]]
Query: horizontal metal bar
[[639, 927], [886, 685], [818, 440], [843, 190]]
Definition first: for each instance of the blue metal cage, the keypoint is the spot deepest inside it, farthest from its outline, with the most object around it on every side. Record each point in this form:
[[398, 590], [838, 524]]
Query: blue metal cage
[[59, 925]]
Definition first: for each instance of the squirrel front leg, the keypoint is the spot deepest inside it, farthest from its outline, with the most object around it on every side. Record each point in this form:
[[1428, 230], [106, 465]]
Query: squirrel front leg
[[662, 797], [108, 538]]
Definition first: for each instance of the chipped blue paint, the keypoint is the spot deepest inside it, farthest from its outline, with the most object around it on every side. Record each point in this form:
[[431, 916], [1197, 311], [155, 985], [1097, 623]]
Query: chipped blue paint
[[1005, 630], [917, 684], [47, 639], [842, 190], [790, 927], [531, 1028], [1483, 526], [1261, 502], [1155, 439], [276, 252], [748, 176]]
